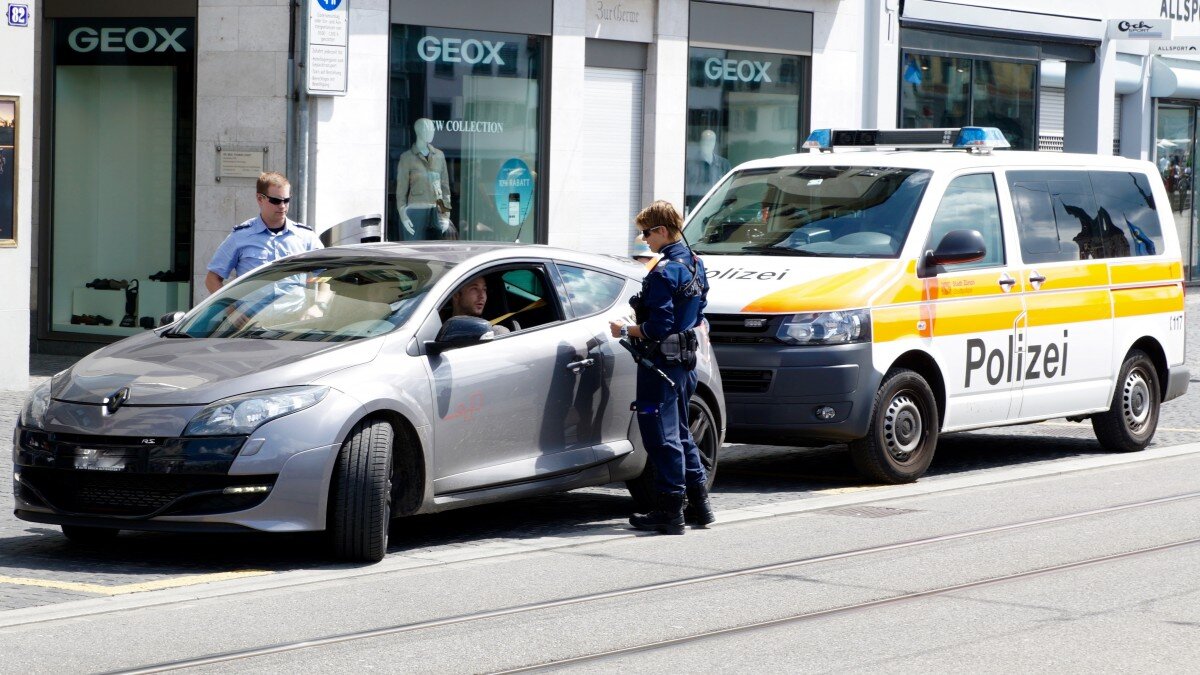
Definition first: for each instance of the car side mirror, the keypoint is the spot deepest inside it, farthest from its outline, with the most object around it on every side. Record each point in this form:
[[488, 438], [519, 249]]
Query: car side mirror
[[460, 331], [958, 246], [169, 318]]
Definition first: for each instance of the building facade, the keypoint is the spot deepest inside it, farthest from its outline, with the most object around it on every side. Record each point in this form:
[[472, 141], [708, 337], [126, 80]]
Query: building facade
[[533, 121]]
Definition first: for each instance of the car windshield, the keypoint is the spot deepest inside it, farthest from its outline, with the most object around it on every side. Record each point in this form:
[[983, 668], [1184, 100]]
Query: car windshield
[[829, 211], [320, 299]]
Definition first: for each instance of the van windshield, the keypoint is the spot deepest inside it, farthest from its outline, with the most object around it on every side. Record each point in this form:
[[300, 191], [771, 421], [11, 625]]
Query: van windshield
[[321, 299], [829, 211]]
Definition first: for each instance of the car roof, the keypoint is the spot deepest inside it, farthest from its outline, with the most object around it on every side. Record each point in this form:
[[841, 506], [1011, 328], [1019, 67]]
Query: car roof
[[456, 252], [952, 160]]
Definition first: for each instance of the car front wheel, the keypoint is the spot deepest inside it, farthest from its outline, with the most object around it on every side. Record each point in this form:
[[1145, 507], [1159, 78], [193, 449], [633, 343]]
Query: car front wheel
[[360, 496]]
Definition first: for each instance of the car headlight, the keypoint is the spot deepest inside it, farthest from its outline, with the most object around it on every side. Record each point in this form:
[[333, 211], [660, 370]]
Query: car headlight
[[34, 411], [826, 328], [239, 415]]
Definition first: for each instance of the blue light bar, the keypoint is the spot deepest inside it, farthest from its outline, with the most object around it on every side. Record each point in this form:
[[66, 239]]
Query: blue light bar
[[819, 139], [980, 137]]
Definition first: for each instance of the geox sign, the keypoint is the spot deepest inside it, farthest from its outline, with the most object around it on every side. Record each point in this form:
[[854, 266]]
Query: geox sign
[[124, 41], [1140, 29]]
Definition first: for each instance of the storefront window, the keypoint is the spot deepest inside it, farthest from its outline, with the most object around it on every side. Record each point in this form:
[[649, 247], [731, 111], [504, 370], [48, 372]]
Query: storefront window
[[945, 91], [463, 146], [121, 171], [1174, 143], [742, 105]]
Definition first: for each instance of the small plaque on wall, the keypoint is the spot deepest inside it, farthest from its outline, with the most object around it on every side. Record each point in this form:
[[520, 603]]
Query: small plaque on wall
[[233, 163]]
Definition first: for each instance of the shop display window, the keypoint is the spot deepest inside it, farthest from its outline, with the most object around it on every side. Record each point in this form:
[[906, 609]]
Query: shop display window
[[463, 135]]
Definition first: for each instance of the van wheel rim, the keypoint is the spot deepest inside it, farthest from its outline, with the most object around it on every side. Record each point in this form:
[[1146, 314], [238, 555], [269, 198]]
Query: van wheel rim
[[1136, 401], [903, 427]]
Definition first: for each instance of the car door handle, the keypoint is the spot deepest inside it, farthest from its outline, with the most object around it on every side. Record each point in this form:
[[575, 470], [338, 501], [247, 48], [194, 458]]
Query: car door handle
[[581, 364]]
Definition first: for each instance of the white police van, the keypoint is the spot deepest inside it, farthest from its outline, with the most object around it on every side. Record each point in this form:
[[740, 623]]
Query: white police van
[[882, 297]]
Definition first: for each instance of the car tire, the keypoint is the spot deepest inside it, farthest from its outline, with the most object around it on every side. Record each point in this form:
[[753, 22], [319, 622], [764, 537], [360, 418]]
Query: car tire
[[89, 536], [360, 494], [705, 432], [903, 435], [1132, 418]]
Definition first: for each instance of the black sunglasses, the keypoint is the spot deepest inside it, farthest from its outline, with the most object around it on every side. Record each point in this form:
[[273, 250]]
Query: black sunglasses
[[646, 232], [276, 200]]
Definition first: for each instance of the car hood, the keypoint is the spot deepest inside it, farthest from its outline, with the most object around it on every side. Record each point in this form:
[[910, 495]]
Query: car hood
[[777, 284], [198, 371]]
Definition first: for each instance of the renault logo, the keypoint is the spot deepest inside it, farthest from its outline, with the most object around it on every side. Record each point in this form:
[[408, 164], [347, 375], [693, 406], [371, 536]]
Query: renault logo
[[113, 403]]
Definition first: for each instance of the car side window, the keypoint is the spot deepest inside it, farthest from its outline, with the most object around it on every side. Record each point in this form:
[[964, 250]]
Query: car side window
[[515, 298], [1127, 213], [970, 203], [1058, 217], [590, 291]]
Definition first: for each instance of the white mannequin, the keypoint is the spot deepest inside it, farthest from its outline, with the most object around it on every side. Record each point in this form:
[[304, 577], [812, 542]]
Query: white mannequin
[[423, 132], [708, 143]]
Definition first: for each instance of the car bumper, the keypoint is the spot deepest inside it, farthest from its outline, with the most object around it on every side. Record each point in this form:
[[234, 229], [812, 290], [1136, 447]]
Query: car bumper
[[1177, 382], [773, 393]]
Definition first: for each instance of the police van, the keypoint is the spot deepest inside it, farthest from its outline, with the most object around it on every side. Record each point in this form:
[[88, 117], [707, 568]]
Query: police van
[[883, 297]]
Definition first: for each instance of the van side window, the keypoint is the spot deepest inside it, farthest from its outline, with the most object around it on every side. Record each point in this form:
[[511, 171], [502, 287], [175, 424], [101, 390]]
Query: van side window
[[1058, 218], [1127, 213], [970, 203]]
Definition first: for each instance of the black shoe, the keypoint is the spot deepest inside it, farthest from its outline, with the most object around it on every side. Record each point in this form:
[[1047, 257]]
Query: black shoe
[[168, 275], [102, 320], [699, 510], [666, 518]]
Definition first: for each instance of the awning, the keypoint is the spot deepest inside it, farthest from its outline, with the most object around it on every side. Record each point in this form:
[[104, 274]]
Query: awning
[[1174, 78]]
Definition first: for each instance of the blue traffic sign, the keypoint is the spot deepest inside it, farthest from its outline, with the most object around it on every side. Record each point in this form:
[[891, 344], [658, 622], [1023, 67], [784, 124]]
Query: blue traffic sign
[[329, 5]]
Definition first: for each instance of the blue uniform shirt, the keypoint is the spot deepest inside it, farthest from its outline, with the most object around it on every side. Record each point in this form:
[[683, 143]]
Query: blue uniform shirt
[[251, 245], [667, 310]]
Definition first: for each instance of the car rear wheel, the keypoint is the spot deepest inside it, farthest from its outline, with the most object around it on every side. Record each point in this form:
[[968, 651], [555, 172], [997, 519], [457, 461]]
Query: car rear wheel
[[707, 436], [360, 496], [89, 536], [1131, 420], [903, 435]]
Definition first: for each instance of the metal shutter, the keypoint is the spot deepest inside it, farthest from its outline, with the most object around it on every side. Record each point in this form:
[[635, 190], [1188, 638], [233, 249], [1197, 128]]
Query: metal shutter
[[611, 153], [1117, 125], [1051, 103]]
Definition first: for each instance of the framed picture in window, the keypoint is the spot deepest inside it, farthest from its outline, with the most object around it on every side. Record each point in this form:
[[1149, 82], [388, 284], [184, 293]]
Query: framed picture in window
[[8, 170]]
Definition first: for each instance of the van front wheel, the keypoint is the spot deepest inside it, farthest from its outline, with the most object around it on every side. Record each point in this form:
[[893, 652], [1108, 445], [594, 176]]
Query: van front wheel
[[1131, 419], [903, 435]]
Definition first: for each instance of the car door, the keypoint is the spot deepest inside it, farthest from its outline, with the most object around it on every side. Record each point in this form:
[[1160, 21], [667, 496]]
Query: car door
[[599, 413], [498, 404], [976, 308], [1066, 363]]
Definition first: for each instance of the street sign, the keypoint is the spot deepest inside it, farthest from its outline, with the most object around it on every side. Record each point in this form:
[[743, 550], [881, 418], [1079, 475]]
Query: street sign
[[327, 59]]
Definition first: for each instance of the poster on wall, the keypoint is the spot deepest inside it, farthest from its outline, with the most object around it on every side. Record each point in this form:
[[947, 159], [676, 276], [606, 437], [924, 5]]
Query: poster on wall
[[8, 171]]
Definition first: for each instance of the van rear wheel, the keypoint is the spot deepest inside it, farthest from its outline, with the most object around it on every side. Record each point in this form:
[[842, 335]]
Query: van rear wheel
[[903, 435], [1131, 420]]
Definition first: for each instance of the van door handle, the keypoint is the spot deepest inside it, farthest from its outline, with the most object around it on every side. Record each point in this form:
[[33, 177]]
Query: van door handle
[[576, 366], [1006, 282], [1036, 279]]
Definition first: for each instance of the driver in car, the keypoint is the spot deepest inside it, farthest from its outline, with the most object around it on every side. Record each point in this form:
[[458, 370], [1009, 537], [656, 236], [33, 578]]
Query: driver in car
[[470, 301]]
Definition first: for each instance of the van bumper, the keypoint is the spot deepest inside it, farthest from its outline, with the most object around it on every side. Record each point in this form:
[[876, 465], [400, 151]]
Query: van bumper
[[772, 393], [1177, 382]]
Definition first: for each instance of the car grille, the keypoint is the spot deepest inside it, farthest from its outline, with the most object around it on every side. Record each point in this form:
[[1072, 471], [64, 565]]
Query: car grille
[[742, 328], [136, 495], [745, 381]]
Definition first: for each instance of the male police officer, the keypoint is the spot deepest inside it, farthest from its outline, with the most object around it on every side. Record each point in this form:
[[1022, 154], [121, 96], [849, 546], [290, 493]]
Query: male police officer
[[668, 310], [268, 236]]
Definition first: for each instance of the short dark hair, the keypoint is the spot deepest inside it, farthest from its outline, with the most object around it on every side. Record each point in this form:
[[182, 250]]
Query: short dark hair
[[660, 213]]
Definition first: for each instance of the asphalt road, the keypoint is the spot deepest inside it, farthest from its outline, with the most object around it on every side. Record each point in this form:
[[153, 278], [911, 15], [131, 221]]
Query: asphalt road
[[245, 591]]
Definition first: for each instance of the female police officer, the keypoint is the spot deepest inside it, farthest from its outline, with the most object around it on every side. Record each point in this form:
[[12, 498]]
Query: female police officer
[[667, 310]]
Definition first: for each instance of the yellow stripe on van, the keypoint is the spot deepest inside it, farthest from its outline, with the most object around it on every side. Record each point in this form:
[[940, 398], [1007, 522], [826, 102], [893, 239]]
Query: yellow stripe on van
[[899, 322], [1047, 308], [838, 291], [964, 318], [1142, 301], [1063, 277], [1147, 272]]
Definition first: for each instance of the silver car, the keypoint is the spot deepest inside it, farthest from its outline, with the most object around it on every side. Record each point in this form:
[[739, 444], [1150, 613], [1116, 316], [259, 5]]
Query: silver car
[[337, 389]]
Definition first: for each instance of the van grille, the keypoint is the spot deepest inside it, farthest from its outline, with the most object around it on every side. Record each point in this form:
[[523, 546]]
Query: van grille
[[742, 328]]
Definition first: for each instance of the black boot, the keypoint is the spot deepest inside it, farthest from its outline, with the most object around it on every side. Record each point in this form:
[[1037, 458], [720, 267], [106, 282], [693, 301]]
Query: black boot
[[699, 510], [666, 518]]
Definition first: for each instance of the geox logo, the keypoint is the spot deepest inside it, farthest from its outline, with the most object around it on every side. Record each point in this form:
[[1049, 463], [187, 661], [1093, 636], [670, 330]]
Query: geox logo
[[114, 402]]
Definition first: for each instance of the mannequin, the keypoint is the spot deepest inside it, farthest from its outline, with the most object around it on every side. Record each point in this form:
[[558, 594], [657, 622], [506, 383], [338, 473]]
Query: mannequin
[[704, 169], [423, 187]]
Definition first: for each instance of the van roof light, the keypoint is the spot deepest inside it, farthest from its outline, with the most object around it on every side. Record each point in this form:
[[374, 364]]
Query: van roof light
[[973, 138]]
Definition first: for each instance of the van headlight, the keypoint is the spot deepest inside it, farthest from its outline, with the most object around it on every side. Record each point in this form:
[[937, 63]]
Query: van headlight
[[826, 328], [239, 415], [34, 411]]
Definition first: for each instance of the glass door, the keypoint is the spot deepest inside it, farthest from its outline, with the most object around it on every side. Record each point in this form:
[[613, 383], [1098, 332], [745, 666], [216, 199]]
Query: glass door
[[1175, 149]]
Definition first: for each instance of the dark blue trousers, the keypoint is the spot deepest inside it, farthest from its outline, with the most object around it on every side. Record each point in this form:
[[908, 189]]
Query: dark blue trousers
[[662, 414]]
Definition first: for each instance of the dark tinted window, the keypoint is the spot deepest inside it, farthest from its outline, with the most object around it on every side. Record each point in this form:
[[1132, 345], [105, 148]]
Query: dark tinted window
[[970, 204], [1127, 213]]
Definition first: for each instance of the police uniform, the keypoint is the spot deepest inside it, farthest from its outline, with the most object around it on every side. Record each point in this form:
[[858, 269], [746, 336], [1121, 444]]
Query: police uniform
[[670, 304], [252, 244]]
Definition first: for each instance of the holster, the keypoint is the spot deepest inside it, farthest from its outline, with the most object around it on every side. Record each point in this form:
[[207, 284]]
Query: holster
[[680, 348]]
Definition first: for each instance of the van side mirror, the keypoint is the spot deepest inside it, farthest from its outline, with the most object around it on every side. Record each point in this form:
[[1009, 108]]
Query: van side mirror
[[460, 331], [958, 246], [169, 318]]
